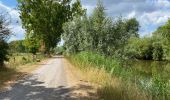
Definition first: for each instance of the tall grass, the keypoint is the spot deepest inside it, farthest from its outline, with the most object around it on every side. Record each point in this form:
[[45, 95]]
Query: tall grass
[[130, 85]]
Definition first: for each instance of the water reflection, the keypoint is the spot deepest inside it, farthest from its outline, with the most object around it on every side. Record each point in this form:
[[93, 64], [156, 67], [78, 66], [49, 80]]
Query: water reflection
[[146, 68]]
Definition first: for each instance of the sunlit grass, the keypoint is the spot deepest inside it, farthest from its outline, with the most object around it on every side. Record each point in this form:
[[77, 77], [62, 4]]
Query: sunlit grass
[[18, 59], [116, 82]]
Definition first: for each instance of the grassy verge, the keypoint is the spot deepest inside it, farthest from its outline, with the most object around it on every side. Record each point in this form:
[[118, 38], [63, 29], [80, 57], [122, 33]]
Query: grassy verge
[[18, 66], [18, 59], [116, 82]]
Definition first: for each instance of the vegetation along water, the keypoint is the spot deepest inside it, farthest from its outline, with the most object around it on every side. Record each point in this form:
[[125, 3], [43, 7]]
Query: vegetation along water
[[122, 64]]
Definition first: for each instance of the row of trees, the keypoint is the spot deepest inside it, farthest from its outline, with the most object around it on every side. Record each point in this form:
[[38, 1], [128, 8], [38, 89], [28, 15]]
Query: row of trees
[[155, 47], [43, 21], [99, 33], [46, 20]]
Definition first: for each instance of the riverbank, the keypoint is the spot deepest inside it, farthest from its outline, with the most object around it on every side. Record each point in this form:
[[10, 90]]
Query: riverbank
[[117, 82]]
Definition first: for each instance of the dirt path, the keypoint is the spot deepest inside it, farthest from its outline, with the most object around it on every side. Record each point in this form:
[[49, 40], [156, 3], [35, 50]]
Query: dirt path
[[55, 80]]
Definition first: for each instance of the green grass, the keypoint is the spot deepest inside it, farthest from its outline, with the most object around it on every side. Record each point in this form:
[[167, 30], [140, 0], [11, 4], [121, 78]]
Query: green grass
[[18, 59], [129, 84]]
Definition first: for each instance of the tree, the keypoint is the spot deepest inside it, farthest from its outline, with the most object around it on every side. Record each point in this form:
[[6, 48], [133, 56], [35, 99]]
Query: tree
[[139, 48], [162, 35], [99, 33], [132, 27], [4, 35], [163, 31], [32, 44], [158, 51], [147, 48], [46, 18], [17, 46], [98, 20], [72, 35]]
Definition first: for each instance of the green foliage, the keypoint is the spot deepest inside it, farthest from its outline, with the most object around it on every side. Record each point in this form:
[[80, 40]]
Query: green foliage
[[3, 52], [132, 27], [147, 48], [4, 35], [139, 48], [17, 46], [72, 36], [97, 60], [158, 51], [32, 44], [163, 31], [98, 22], [101, 42], [159, 85], [59, 50], [45, 18], [155, 86], [162, 36], [98, 33]]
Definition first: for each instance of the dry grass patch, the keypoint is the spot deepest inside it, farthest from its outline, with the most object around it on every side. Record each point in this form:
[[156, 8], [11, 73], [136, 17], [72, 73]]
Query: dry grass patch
[[110, 87]]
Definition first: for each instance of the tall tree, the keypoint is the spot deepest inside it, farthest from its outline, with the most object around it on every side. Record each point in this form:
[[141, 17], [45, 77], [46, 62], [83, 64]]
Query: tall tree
[[72, 35], [46, 18], [32, 43], [4, 36], [98, 21], [132, 27], [162, 34]]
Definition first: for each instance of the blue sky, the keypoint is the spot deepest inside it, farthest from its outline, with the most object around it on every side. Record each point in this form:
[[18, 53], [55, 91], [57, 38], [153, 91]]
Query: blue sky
[[9, 3], [150, 13]]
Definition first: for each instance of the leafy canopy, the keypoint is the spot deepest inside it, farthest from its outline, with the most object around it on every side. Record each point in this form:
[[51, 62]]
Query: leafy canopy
[[45, 18]]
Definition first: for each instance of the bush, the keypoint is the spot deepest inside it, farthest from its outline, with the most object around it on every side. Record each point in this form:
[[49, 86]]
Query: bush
[[145, 49], [139, 48], [158, 51]]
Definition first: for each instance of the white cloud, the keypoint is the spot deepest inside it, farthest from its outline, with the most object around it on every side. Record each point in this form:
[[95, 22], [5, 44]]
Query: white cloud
[[131, 15], [151, 21], [163, 3], [157, 17], [15, 25], [150, 13]]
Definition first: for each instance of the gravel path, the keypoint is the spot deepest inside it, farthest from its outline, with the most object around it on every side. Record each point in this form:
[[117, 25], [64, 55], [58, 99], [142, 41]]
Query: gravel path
[[49, 82]]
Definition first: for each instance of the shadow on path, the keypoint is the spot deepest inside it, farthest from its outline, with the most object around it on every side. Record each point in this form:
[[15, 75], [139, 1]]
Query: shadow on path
[[32, 89]]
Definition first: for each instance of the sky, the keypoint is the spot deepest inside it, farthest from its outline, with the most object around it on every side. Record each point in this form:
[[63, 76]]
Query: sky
[[150, 13]]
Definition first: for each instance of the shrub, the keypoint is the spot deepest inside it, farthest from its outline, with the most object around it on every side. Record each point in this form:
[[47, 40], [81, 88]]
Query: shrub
[[146, 48], [158, 51], [140, 48]]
